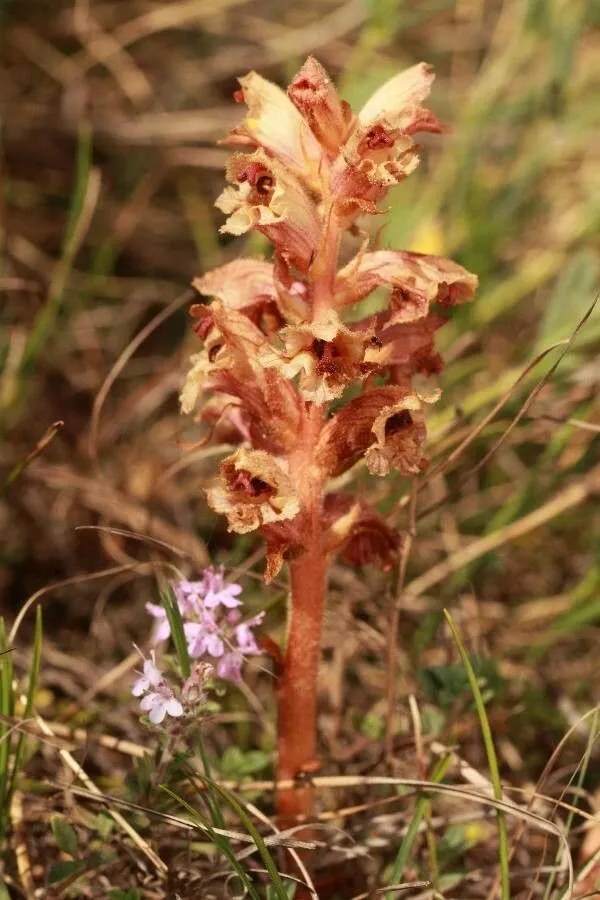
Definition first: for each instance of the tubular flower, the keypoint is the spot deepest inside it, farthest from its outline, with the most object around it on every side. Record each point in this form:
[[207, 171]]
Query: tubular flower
[[379, 151], [398, 102], [274, 123], [253, 490], [416, 280], [329, 118], [266, 196], [362, 535], [326, 356]]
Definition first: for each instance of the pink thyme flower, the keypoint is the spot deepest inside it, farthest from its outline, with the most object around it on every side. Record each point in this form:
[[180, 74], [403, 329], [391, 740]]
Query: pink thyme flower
[[203, 638], [219, 593], [229, 667], [190, 594], [162, 629], [158, 698], [244, 635], [213, 629]]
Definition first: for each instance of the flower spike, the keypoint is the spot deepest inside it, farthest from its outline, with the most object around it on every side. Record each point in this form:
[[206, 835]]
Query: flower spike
[[293, 377]]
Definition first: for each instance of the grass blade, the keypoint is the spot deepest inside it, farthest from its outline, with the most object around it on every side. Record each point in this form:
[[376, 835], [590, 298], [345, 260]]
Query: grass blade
[[7, 709], [490, 751], [219, 840], [171, 607], [276, 881], [409, 838], [31, 689]]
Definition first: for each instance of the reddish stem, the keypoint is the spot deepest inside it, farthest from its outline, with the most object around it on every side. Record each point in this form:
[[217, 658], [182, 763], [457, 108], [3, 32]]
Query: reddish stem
[[297, 693], [297, 689]]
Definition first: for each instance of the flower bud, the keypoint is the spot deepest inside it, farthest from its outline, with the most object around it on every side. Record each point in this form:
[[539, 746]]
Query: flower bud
[[312, 92], [274, 123]]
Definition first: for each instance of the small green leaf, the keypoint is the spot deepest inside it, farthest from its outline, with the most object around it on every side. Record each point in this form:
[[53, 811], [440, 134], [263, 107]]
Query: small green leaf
[[372, 726], [61, 870], [237, 764], [100, 858], [104, 825], [231, 762], [65, 835], [254, 761], [118, 894]]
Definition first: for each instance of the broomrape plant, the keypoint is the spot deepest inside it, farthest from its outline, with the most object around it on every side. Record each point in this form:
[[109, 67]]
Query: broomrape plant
[[303, 393]]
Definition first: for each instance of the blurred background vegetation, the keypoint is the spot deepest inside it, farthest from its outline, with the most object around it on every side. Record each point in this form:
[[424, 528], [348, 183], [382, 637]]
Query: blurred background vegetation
[[111, 110]]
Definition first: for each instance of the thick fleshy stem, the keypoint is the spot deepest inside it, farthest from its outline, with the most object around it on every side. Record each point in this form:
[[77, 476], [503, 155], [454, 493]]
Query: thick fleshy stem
[[297, 691], [297, 688], [298, 685]]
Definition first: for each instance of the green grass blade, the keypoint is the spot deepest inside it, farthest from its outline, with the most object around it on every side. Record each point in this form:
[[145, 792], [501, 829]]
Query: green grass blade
[[412, 831], [219, 840], [6, 709], [276, 881], [490, 750], [210, 798], [171, 607], [47, 316], [31, 689], [579, 783]]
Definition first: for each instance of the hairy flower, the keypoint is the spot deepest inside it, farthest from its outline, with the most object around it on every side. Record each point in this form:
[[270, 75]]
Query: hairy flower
[[254, 489], [400, 434], [380, 151], [240, 284], [327, 356], [416, 280], [313, 93], [266, 196], [398, 102], [274, 123], [384, 425], [361, 533]]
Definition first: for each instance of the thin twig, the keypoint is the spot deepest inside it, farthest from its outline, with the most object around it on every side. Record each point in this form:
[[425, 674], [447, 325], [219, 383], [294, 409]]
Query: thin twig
[[120, 364], [27, 883], [570, 497], [392, 654], [82, 775]]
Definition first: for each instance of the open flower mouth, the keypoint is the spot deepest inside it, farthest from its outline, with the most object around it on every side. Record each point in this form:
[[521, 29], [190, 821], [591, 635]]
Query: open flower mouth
[[377, 138], [254, 490], [261, 182], [251, 485], [397, 423]]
